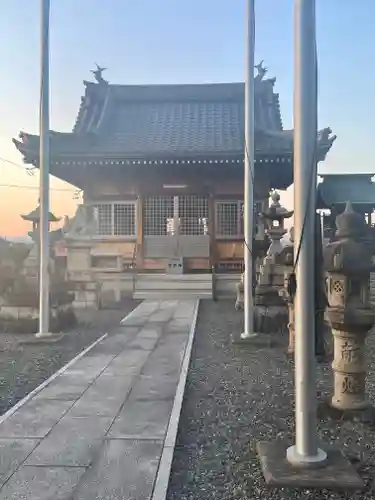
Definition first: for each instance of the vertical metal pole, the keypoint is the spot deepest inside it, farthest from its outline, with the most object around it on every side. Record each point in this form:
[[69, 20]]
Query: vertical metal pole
[[306, 451], [44, 174], [249, 172]]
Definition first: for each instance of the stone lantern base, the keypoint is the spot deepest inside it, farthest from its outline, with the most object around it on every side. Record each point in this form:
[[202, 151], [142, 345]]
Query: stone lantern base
[[272, 311], [365, 416]]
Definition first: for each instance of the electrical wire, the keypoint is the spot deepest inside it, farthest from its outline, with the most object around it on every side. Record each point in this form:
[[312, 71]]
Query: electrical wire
[[20, 186], [5, 160], [292, 282], [30, 171]]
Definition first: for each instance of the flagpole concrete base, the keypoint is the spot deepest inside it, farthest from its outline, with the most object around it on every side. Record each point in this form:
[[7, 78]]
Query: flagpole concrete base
[[43, 339], [335, 473], [254, 339]]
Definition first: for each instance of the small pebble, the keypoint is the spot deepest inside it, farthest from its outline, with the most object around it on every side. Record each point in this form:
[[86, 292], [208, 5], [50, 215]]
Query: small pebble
[[251, 398]]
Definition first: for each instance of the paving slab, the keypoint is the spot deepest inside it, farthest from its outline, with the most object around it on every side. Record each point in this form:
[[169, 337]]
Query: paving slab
[[72, 442], [128, 363], [42, 483], [35, 419], [13, 452], [72, 375], [142, 420], [151, 388], [115, 343], [151, 331], [125, 469], [100, 428], [104, 397], [64, 389], [95, 363], [143, 343]]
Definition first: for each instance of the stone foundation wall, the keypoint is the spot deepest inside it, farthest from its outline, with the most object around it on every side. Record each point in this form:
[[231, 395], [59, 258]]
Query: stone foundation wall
[[23, 319]]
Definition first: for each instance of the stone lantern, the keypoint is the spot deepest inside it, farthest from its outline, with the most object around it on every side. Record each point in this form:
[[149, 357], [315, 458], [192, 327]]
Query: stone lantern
[[34, 218], [271, 274], [31, 263], [348, 262]]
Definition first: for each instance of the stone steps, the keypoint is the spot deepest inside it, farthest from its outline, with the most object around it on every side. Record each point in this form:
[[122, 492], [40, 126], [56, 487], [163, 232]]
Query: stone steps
[[171, 286]]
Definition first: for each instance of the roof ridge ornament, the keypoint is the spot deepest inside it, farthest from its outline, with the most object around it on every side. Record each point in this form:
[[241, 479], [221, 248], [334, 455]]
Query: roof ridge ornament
[[262, 71], [98, 74]]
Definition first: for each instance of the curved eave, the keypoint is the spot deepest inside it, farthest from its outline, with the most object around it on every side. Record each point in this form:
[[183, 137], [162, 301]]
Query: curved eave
[[30, 155], [324, 148]]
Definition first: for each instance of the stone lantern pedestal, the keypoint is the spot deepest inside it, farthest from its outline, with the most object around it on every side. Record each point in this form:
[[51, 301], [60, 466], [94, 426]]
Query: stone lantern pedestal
[[286, 257], [348, 263], [239, 295]]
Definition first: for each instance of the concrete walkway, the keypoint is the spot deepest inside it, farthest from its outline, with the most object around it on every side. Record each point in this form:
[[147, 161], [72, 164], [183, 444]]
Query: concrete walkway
[[105, 427]]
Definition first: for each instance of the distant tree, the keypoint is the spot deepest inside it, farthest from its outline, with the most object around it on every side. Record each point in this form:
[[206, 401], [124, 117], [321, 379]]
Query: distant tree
[[13, 252]]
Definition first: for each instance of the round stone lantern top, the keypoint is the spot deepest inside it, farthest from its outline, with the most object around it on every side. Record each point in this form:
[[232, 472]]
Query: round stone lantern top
[[275, 197], [276, 212], [350, 253], [350, 224]]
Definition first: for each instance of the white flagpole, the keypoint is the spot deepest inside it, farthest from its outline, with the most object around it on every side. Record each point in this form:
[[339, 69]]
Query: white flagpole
[[249, 172], [44, 174], [305, 452]]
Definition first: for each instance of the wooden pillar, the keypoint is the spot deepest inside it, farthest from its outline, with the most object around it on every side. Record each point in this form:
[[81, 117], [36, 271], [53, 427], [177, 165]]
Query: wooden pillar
[[212, 230], [139, 241]]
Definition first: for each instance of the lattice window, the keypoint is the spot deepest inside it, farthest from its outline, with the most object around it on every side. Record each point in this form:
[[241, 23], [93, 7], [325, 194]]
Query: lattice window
[[124, 219], [116, 219], [103, 213], [229, 219], [193, 215], [158, 216]]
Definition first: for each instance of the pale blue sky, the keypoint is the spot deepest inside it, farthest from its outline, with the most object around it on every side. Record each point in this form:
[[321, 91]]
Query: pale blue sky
[[175, 41]]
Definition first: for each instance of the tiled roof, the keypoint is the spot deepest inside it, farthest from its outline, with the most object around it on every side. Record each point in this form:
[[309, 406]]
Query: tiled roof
[[339, 189], [169, 121], [34, 216]]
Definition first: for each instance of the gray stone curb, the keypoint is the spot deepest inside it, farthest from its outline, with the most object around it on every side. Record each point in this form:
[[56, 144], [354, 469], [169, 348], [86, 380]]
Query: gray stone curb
[[165, 464]]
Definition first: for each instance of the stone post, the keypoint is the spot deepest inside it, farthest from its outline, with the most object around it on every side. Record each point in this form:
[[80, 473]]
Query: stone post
[[239, 298], [286, 259], [348, 263]]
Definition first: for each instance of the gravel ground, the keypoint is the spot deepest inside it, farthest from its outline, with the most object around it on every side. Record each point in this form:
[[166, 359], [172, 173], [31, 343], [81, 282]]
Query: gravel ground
[[236, 396], [23, 367]]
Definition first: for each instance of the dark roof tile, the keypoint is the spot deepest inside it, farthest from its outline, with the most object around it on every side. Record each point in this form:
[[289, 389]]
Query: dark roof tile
[[170, 121], [338, 189]]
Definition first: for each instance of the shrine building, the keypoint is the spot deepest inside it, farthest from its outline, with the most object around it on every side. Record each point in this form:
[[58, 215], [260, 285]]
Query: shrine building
[[337, 189], [161, 168]]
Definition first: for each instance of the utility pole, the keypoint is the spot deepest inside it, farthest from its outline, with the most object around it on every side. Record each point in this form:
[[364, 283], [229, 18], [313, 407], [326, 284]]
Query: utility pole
[[44, 174], [305, 452], [249, 176]]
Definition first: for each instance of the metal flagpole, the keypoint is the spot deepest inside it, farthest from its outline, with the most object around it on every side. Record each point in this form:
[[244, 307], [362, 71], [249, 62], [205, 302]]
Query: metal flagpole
[[305, 452], [44, 174], [249, 172]]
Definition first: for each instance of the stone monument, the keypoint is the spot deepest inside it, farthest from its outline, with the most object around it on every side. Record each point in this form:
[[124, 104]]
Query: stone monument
[[78, 233], [348, 262]]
